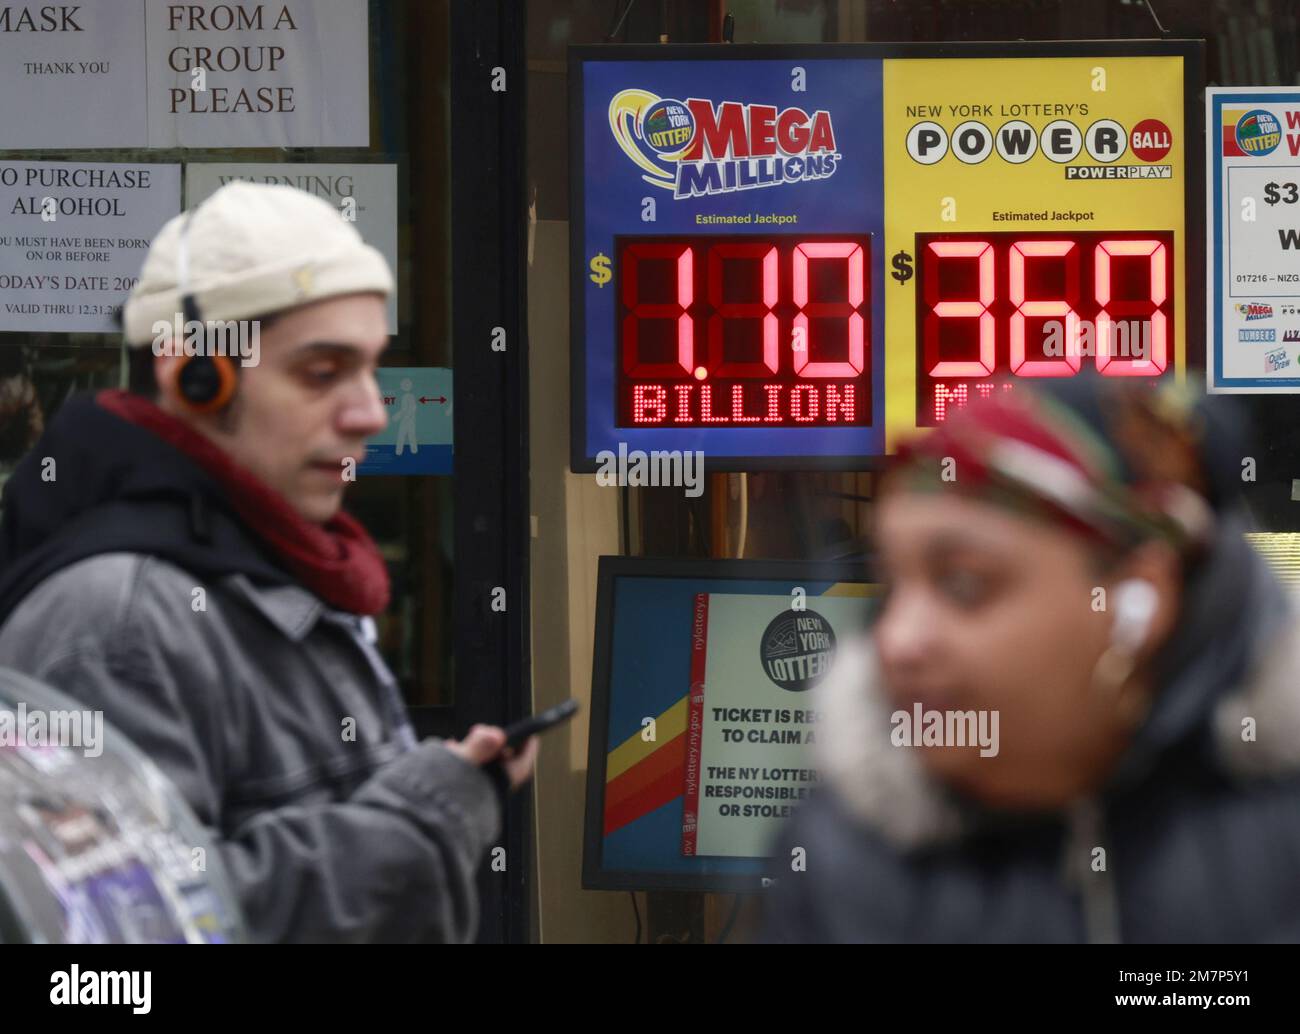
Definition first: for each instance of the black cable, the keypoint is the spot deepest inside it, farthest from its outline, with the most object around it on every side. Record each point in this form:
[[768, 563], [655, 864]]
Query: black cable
[[609, 38], [731, 921], [636, 911], [1156, 18]]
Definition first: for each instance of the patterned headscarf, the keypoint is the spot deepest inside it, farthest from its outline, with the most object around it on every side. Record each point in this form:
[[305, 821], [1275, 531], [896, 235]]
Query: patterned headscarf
[[1116, 461]]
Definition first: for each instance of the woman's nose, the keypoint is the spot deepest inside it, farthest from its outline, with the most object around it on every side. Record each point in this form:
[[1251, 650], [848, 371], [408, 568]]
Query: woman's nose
[[905, 630]]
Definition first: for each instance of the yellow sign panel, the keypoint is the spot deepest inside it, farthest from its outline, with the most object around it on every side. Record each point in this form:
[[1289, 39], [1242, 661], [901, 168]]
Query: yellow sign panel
[[1022, 189]]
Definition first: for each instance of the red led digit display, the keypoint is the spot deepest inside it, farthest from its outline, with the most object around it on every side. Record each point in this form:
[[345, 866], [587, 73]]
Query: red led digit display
[[992, 308], [752, 331]]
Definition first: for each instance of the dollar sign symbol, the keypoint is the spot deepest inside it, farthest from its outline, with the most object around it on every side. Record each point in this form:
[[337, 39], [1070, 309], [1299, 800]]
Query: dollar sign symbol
[[600, 273], [1270, 193], [902, 263]]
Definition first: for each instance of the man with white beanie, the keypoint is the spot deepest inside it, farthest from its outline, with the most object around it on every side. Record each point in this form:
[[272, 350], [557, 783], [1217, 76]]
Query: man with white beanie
[[176, 556]]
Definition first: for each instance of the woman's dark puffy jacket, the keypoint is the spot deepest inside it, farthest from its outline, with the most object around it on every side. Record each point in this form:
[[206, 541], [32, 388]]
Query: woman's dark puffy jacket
[[1200, 822]]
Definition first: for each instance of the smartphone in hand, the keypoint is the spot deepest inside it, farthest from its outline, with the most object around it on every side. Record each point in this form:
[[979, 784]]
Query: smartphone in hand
[[518, 732]]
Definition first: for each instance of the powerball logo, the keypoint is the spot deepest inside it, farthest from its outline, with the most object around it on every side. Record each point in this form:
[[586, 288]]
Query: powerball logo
[[696, 147]]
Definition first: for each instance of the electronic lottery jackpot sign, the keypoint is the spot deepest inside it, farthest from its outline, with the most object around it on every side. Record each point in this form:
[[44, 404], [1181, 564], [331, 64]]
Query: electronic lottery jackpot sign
[[792, 257]]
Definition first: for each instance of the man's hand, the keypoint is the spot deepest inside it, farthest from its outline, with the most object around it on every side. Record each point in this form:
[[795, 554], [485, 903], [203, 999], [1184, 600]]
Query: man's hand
[[486, 743]]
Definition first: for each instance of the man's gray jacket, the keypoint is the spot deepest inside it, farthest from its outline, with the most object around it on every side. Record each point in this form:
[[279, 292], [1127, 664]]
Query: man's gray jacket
[[272, 712]]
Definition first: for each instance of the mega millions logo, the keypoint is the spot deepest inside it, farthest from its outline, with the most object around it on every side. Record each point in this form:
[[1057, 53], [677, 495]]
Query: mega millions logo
[[1255, 311], [1250, 133], [698, 147]]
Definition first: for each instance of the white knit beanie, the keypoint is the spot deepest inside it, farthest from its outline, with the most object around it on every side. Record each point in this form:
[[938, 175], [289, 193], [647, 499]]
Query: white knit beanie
[[251, 250]]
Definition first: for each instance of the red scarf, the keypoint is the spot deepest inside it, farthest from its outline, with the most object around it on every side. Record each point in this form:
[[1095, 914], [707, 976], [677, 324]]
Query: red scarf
[[338, 560]]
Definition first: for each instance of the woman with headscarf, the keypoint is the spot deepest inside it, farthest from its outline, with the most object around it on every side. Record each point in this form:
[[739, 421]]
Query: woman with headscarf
[[1063, 570]]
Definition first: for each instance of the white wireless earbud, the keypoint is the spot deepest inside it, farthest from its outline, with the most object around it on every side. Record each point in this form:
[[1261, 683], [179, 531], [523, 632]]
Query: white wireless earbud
[[1135, 602]]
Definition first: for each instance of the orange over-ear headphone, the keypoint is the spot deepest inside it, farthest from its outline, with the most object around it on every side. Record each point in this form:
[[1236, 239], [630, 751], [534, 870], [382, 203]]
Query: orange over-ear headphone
[[207, 382]]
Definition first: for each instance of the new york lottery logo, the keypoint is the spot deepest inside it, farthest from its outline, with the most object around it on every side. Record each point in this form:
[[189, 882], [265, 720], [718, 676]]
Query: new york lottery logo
[[697, 147], [1252, 133]]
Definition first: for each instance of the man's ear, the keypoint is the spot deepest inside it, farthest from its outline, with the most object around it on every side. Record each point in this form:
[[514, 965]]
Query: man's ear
[[166, 374]]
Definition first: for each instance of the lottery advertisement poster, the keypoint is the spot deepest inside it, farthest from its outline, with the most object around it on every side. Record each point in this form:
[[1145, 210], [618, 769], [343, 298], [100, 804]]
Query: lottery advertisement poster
[[1253, 219], [709, 729]]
